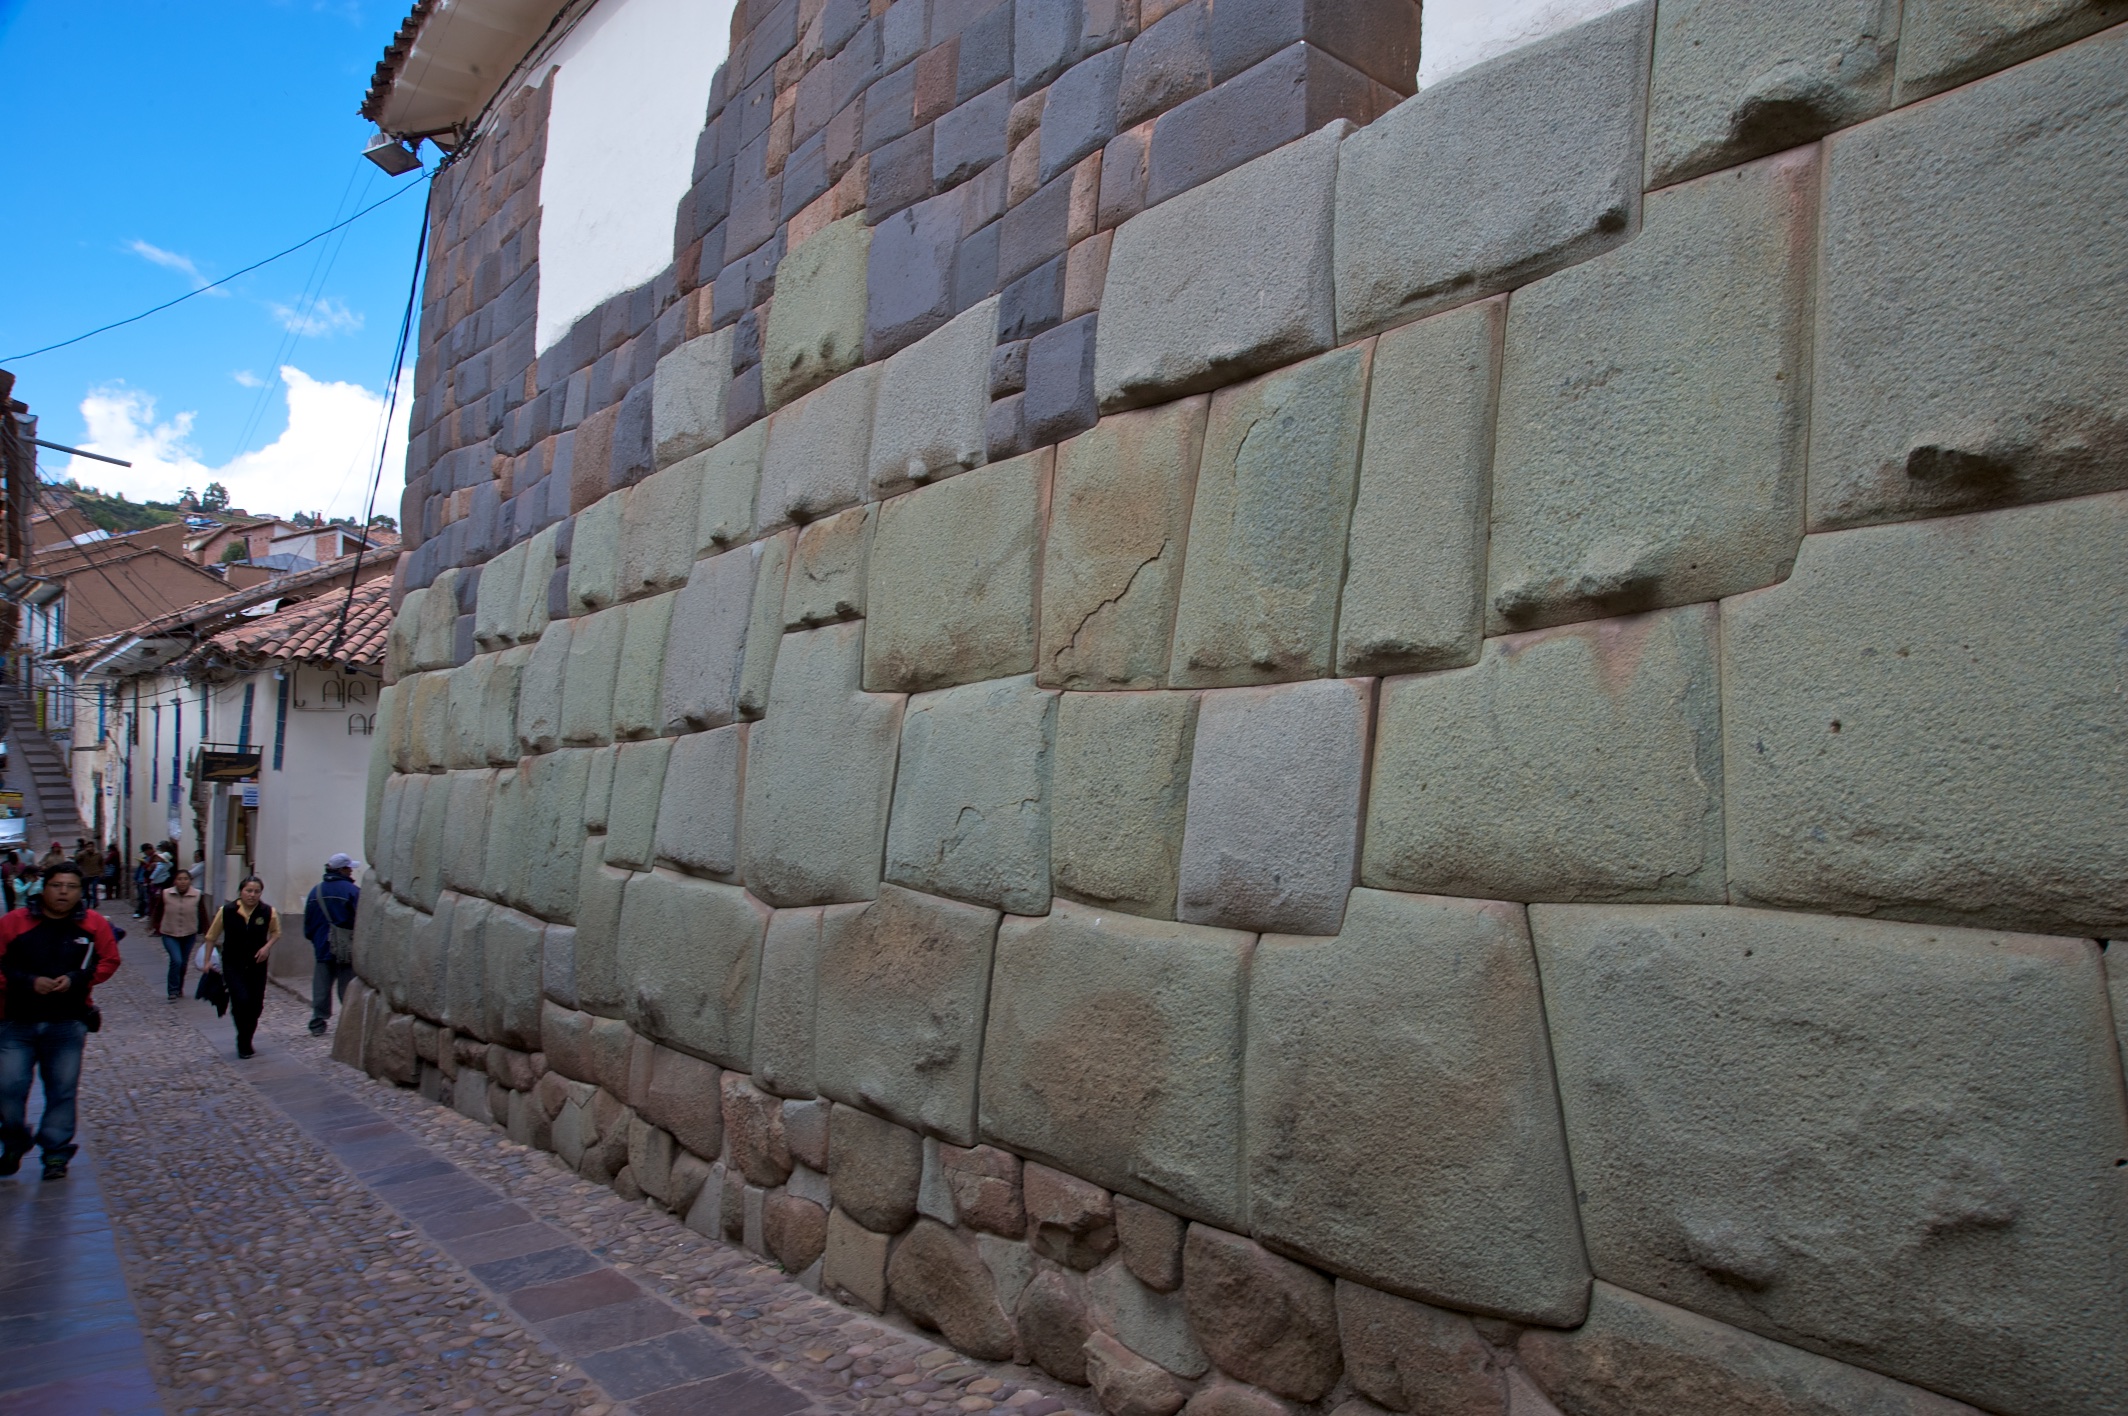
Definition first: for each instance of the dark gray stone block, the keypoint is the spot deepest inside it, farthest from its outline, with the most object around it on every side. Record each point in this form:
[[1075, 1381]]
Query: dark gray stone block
[[1036, 230], [1060, 382], [1047, 39], [909, 284], [1008, 368], [889, 106], [1284, 98], [1080, 115], [1380, 38], [1167, 64], [975, 267], [971, 137], [900, 174], [1032, 303], [986, 53]]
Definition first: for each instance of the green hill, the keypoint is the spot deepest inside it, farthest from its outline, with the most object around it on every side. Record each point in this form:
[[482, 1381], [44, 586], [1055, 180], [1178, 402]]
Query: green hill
[[117, 515]]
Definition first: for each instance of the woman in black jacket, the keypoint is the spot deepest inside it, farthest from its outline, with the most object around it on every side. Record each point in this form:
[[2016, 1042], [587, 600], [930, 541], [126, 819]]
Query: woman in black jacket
[[245, 930]]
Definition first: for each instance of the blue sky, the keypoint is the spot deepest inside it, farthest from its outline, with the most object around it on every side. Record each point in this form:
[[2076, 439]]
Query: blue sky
[[153, 146]]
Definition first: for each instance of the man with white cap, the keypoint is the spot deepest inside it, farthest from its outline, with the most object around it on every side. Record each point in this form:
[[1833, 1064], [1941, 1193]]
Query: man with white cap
[[329, 925]]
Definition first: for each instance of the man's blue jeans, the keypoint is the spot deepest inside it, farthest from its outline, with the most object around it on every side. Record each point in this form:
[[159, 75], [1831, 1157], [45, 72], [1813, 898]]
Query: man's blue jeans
[[53, 1050], [178, 947]]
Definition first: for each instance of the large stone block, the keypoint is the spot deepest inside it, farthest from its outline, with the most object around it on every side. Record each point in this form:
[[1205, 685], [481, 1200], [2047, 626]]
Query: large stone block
[[460, 928], [971, 796], [1731, 84], [601, 891], [1582, 763], [498, 708], [634, 804], [689, 951], [939, 1279], [826, 579], [590, 673], [933, 397], [638, 684], [1652, 408], [1635, 1354], [1407, 1356], [595, 555], [816, 322], [874, 1167], [424, 880], [1121, 779], [697, 823], [952, 579], [1272, 839], [1886, 1142], [553, 834], [658, 529], [465, 848], [1262, 1318], [819, 775], [1149, 1323], [1402, 1126], [1267, 533], [730, 476], [711, 649], [898, 1026], [539, 697], [814, 462], [1975, 324], [1119, 516], [687, 397], [534, 605], [784, 1001], [1114, 1050], [1943, 43], [1495, 176], [1225, 280], [1914, 720], [434, 619], [495, 607], [512, 949], [1415, 564]]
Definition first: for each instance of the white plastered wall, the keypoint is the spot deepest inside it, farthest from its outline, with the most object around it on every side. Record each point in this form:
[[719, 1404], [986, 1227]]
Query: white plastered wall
[[1456, 34], [631, 89]]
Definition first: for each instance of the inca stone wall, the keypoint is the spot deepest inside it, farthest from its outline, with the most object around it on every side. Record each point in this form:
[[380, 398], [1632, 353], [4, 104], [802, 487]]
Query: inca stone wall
[[1277, 744]]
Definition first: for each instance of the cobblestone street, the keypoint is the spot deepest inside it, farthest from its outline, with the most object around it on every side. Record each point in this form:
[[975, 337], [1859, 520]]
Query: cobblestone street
[[296, 1237]]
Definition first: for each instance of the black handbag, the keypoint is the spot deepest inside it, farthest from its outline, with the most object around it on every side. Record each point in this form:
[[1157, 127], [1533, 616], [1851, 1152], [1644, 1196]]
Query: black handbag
[[213, 989]]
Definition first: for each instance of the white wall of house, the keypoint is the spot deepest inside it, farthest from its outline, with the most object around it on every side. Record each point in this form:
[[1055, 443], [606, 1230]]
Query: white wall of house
[[1457, 34]]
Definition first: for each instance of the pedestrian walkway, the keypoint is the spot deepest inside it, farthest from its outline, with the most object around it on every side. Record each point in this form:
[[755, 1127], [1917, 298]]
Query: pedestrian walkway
[[296, 1237]]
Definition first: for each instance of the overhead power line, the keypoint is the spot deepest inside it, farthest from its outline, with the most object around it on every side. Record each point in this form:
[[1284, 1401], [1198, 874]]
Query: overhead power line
[[158, 309]]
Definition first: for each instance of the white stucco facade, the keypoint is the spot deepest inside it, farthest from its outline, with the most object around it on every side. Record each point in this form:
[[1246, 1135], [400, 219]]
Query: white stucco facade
[[1456, 34], [631, 90]]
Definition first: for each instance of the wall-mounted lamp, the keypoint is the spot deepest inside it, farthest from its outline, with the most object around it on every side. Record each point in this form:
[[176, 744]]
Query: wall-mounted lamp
[[395, 157]]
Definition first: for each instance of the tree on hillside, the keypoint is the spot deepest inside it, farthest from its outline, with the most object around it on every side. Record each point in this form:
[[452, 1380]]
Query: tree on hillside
[[216, 499], [381, 522]]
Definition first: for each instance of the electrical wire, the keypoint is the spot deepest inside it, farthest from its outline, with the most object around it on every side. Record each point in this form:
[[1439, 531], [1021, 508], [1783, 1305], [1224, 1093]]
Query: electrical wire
[[255, 265]]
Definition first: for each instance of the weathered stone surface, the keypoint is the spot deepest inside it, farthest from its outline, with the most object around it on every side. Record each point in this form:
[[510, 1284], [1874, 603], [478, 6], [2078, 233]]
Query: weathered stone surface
[[1996, 378], [690, 951], [816, 322], [952, 579], [729, 475], [1572, 764], [697, 815], [539, 695], [753, 1129], [1731, 84], [873, 1168], [495, 606], [1208, 287], [934, 1199], [937, 1278], [1150, 1323], [819, 772], [1401, 1120], [1127, 1384], [1264, 1319], [1151, 1240], [595, 555], [1267, 535], [1121, 787], [985, 1184], [1852, 1136], [601, 890], [805, 1130], [511, 948], [1946, 42], [658, 527], [1220, 1398], [632, 813], [1054, 1324], [757, 667], [1414, 1357], [465, 849], [814, 462], [1978, 655], [1112, 563], [826, 579], [2116, 953], [1635, 1354], [1494, 176], [795, 1229], [461, 921], [590, 673], [651, 1152], [900, 1006], [711, 637], [783, 1003], [684, 1096], [856, 1263], [533, 606], [434, 620], [498, 709], [1114, 1049], [1274, 804], [1415, 564], [971, 795], [933, 397], [687, 397], [1652, 409], [1074, 1222]]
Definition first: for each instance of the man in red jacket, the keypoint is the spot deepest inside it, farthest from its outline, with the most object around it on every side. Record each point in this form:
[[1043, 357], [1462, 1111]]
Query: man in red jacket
[[51, 954]]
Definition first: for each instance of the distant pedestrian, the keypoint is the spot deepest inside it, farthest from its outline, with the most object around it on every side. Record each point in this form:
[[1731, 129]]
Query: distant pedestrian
[[180, 913], [141, 871], [55, 856], [245, 930], [329, 925], [50, 958], [90, 859]]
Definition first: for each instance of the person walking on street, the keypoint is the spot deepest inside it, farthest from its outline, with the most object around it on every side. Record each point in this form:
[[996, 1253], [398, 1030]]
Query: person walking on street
[[329, 925], [179, 914], [55, 856], [90, 859], [245, 930], [141, 872], [50, 958]]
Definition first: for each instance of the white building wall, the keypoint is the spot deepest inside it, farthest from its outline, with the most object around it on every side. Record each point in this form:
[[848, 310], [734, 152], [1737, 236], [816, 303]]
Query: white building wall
[[1456, 34]]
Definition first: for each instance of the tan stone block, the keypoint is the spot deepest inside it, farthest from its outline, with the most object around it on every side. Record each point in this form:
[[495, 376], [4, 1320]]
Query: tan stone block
[[658, 517], [795, 1229], [595, 555], [753, 1131], [589, 676], [1414, 1357], [874, 1167], [690, 951], [1121, 785], [1054, 1323], [816, 323], [815, 459], [937, 1278], [1127, 1384], [1262, 1318], [856, 1263], [729, 475], [539, 695], [985, 1185], [1151, 1240], [928, 420], [1074, 1222], [826, 579], [638, 685]]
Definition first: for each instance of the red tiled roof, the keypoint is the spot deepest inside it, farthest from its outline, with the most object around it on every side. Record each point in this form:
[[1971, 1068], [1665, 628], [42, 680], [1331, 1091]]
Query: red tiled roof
[[307, 630], [387, 70]]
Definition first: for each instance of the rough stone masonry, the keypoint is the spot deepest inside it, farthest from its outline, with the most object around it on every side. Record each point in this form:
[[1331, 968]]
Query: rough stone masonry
[[1283, 744]]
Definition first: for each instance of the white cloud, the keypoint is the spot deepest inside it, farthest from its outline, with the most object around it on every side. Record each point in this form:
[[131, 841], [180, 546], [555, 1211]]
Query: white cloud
[[171, 260], [248, 379], [322, 460], [327, 317]]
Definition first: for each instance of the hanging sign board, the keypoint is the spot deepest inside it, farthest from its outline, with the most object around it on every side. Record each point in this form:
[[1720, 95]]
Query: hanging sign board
[[220, 765]]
